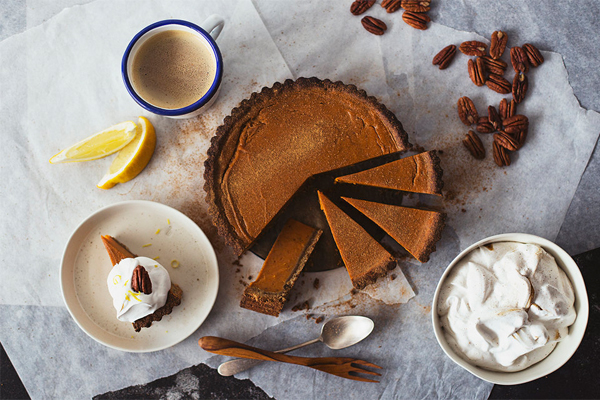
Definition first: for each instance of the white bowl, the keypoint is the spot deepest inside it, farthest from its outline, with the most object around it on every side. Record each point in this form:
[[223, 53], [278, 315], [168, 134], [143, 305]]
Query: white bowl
[[563, 350]]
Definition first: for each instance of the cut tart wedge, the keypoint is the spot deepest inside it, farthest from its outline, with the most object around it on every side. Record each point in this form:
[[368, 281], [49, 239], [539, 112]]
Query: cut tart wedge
[[270, 291], [416, 230], [364, 258], [420, 173], [117, 252]]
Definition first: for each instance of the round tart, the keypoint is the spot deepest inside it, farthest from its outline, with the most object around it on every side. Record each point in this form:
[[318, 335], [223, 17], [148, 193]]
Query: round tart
[[281, 136]]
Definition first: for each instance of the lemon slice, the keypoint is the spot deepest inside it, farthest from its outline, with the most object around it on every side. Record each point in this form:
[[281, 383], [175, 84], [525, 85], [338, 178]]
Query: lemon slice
[[133, 158], [99, 145]]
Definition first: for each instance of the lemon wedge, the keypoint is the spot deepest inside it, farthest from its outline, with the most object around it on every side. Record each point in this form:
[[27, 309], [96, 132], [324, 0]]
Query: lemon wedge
[[99, 145], [133, 158]]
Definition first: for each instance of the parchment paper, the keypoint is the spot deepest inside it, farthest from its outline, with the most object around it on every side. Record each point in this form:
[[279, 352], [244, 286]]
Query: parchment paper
[[69, 65]]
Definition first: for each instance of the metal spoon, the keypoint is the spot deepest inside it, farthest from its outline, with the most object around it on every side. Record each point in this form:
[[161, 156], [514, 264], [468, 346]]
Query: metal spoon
[[337, 333]]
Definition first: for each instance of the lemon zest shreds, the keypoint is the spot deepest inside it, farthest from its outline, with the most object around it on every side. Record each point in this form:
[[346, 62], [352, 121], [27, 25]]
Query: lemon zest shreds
[[175, 264], [156, 258], [157, 231]]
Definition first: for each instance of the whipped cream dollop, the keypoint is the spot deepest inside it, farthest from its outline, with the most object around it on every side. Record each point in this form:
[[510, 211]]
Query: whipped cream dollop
[[131, 305], [505, 306]]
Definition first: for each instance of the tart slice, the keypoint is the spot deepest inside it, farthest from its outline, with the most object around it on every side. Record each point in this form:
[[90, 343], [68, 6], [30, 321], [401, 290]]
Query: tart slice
[[141, 283], [364, 258], [270, 291], [416, 230], [420, 173]]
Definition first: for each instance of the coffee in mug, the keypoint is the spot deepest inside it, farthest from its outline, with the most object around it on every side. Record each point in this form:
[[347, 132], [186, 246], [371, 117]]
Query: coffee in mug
[[173, 69]]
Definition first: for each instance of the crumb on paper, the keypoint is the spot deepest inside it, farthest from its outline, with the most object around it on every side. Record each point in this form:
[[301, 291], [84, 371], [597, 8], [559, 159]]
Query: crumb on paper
[[316, 283], [300, 307], [319, 320]]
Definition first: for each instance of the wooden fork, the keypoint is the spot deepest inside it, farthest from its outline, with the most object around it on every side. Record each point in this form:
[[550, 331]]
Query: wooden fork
[[344, 367]]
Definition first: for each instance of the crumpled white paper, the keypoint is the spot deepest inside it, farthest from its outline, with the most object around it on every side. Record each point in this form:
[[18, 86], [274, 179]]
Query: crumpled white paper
[[63, 84]]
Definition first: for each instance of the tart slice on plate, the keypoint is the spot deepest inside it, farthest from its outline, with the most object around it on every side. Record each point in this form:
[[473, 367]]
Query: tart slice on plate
[[141, 288]]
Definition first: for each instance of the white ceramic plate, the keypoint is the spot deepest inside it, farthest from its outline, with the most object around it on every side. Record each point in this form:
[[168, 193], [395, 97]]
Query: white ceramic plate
[[85, 266]]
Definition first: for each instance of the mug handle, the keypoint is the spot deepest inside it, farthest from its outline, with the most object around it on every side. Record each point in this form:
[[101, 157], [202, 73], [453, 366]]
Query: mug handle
[[213, 25]]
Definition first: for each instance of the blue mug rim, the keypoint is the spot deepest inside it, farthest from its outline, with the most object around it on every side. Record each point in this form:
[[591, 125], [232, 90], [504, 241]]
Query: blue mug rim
[[177, 111]]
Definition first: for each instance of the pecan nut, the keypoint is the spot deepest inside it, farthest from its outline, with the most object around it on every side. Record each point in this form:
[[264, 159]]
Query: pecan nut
[[418, 6], [507, 141], [473, 48], [391, 5], [374, 25], [516, 123], [467, 111], [501, 157], [498, 84], [534, 56], [445, 56], [494, 118], [140, 280], [474, 145], [507, 109], [503, 108], [521, 136], [416, 20], [360, 6], [476, 71], [494, 66], [518, 59], [484, 125], [519, 87], [498, 44]]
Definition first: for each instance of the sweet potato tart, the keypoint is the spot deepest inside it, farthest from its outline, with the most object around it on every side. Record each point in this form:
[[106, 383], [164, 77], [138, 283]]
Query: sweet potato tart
[[281, 136]]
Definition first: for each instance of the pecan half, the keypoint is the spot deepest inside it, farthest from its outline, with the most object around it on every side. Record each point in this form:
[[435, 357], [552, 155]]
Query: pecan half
[[360, 6], [416, 20], [140, 280], [521, 136], [467, 111], [498, 84], [374, 25], [498, 44], [419, 6], [511, 109], [518, 59], [534, 56], [494, 66], [484, 125], [519, 87], [501, 157], [391, 5], [445, 56], [516, 123], [503, 108], [473, 48], [507, 141], [494, 118], [474, 145], [476, 71]]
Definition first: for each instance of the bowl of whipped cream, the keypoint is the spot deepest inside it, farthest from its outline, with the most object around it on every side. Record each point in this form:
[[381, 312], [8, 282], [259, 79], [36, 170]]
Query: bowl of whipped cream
[[511, 308]]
